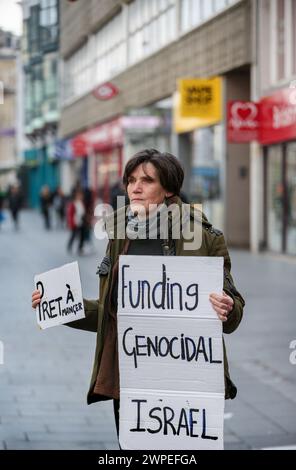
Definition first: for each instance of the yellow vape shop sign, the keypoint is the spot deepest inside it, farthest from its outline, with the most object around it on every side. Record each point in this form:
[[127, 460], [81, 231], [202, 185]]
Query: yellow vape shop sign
[[198, 103]]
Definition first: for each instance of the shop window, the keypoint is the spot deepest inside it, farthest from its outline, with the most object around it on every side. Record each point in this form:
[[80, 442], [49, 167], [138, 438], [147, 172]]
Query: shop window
[[49, 23], [280, 39], [50, 76], [96, 61], [220, 4], [265, 42], [208, 8], [151, 25], [195, 12], [206, 175], [281, 15], [110, 57], [33, 29], [77, 74], [275, 198], [291, 199]]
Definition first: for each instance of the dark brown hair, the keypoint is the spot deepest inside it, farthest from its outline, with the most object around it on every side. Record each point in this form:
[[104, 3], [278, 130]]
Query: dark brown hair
[[169, 170]]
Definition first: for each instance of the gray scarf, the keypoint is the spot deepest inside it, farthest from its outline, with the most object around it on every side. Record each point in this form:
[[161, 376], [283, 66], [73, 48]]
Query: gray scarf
[[160, 224]]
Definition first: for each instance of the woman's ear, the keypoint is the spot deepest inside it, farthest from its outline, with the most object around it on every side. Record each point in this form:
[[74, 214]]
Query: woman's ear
[[169, 194]]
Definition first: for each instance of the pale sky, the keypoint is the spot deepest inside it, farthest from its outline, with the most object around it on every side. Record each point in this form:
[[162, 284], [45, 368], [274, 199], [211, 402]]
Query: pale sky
[[11, 16]]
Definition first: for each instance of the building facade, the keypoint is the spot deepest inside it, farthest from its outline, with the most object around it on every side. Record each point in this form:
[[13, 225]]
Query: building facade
[[274, 157], [41, 105], [142, 48], [9, 50]]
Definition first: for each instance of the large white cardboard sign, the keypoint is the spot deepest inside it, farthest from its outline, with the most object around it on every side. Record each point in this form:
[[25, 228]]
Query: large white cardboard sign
[[61, 296], [170, 353]]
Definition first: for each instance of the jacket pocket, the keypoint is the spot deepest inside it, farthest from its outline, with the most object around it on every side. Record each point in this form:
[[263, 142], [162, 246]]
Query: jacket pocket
[[229, 285]]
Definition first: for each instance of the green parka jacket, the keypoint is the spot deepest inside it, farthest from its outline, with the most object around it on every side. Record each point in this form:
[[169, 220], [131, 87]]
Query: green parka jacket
[[212, 244]]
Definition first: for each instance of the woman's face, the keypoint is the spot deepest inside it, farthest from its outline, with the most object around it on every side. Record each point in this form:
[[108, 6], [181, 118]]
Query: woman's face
[[144, 188]]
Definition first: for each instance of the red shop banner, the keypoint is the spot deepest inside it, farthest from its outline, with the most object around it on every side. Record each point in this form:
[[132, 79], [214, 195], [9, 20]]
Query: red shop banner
[[242, 121], [102, 138], [270, 121], [278, 117]]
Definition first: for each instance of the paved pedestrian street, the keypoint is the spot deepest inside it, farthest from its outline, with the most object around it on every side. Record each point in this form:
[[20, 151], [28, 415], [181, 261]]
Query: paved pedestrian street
[[45, 375]]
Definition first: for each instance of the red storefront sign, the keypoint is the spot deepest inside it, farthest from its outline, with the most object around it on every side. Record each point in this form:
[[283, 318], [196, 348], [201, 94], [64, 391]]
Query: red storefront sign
[[271, 120], [106, 91], [242, 121], [79, 146], [99, 139], [278, 117]]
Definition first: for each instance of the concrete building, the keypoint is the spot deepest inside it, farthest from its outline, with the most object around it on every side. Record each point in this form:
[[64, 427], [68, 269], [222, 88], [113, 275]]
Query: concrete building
[[41, 107], [140, 49], [9, 45]]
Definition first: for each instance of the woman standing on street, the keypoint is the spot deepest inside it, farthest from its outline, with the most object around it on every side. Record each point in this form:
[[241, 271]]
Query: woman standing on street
[[150, 178]]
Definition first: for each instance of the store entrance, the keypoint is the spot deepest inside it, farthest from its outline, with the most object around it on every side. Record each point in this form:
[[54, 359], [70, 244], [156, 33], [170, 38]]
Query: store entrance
[[280, 198]]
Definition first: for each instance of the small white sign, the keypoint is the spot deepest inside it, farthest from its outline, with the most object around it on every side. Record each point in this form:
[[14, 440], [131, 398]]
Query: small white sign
[[61, 296]]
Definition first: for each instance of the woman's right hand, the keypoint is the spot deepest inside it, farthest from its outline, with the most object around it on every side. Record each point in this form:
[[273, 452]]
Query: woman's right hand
[[36, 298]]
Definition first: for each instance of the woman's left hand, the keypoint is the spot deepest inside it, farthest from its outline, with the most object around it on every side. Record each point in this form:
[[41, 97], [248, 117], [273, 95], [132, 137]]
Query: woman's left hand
[[222, 304]]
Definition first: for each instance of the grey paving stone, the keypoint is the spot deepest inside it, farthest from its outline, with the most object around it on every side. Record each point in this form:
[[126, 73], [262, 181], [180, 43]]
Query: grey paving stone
[[112, 445], [27, 407], [13, 433], [8, 411], [38, 412], [231, 438], [255, 424], [69, 428], [44, 420], [257, 442], [237, 446], [23, 427], [69, 436], [54, 445]]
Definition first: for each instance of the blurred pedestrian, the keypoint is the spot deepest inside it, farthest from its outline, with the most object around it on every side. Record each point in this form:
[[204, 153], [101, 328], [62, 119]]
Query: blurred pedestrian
[[88, 199], [15, 203], [2, 199], [45, 204], [76, 220], [59, 204]]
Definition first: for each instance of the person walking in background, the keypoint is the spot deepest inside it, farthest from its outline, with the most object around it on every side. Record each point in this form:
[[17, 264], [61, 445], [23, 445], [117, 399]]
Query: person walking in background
[[15, 204], [76, 220], [45, 204], [88, 217], [59, 204], [2, 199]]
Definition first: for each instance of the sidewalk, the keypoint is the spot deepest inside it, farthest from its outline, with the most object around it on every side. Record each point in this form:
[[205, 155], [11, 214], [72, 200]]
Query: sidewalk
[[45, 375]]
